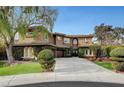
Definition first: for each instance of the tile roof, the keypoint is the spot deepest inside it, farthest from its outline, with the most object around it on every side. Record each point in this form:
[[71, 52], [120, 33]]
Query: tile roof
[[56, 33]]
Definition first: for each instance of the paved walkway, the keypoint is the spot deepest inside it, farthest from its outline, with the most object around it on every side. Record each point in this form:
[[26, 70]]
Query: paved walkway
[[67, 69]]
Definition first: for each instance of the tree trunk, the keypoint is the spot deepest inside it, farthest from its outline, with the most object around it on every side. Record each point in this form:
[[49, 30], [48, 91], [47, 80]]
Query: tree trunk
[[9, 54]]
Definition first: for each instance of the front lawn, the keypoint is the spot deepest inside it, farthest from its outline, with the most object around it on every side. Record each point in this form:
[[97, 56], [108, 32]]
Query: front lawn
[[20, 69], [107, 65]]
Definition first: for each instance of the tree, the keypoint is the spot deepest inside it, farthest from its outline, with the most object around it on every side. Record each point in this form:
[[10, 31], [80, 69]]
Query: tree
[[15, 20], [118, 33], [108, 35], [104, 34], [2, 46]]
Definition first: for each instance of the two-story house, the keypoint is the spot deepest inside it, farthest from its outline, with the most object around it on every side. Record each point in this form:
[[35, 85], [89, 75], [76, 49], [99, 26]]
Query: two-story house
[[61, 44]]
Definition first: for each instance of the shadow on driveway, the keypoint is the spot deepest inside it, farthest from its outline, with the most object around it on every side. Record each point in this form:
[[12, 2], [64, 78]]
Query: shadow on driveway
[[72, 84]]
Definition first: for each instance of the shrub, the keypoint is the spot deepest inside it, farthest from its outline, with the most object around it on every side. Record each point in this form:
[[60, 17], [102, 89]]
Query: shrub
[[115, 65], [2, 64], [117, 54], [120, 67], [117, 59], [18, 53], [38, 49], [108, 49], [81, 52], [46, 59]]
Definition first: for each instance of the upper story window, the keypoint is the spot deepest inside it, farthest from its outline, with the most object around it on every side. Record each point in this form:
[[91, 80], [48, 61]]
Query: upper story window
[[75, 41], [59, 38], [66, 40]]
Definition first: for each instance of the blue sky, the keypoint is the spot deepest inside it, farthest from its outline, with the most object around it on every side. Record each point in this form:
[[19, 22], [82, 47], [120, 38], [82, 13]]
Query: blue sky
[[82, 20]]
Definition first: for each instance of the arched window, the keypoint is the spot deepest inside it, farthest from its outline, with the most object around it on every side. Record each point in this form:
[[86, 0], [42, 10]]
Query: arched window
[[28, 52], [75, 41]]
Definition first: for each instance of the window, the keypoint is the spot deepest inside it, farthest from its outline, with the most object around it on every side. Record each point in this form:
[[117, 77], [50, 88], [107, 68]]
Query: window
[[75, 41], [66, 40], [28, 52]]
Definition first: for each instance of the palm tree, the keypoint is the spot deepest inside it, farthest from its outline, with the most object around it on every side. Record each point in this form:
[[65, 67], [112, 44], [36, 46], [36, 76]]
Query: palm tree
[[15, 20]]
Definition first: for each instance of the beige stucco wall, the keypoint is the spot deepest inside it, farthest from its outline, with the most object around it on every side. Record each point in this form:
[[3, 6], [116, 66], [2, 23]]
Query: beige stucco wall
[[83, 42], [38, 39], [59, 40]]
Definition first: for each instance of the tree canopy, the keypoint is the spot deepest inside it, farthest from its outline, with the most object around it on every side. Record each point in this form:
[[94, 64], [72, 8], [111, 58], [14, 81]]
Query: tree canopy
[[107, 35], [18, 19]]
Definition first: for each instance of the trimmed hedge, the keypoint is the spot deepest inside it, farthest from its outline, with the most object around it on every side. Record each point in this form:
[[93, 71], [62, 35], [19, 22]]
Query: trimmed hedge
[[46, 55], [117, 59], [108, 49], [117, 52], [46, 60]]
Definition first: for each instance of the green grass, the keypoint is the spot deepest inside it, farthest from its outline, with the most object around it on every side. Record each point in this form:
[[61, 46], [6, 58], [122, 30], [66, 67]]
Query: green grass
[[20, 69], [107, 65]]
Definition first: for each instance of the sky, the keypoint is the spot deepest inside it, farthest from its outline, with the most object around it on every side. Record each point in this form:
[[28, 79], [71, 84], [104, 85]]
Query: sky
[[82, 20]]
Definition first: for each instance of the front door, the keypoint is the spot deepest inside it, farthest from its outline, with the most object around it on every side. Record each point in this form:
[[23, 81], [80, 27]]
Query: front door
[[74, 52]]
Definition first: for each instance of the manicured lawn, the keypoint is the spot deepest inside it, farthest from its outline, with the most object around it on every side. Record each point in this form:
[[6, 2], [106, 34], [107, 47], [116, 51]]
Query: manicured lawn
[[107, 65], [20, 69]]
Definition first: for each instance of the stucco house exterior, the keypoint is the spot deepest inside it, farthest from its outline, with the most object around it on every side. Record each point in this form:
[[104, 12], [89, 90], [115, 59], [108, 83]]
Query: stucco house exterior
[[62, 45]]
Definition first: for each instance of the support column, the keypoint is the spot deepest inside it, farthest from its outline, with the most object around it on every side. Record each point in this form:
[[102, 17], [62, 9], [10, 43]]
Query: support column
[[88, 52], [25, 52], [92, 53], [28, 52]]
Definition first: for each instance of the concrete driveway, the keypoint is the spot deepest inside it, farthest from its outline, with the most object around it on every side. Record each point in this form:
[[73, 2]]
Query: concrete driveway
[[77, 69], [68, 70]]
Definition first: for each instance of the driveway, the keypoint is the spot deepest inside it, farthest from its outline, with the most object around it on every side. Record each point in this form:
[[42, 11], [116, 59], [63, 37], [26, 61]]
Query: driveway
[[78, 69], [68, 72]]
